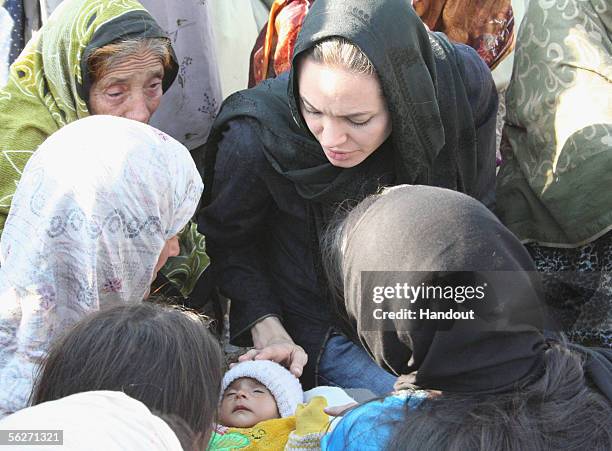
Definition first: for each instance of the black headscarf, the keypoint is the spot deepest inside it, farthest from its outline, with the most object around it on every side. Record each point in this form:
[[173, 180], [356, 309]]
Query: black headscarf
[[443, 238], [132, 25], [438, 237], [433, 134]]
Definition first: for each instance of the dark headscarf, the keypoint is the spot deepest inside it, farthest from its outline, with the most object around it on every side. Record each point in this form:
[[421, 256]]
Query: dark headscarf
[[132, 25], [434, 237], [433, 137], [49, 83], [433, 133], [443, 238]]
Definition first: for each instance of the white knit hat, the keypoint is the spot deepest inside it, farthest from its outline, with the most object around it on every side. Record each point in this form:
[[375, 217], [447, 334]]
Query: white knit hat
[[283, 385]]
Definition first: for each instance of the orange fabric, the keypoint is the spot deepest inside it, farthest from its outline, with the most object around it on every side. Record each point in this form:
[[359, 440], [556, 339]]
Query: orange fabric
[[274, 56], [485, 25]]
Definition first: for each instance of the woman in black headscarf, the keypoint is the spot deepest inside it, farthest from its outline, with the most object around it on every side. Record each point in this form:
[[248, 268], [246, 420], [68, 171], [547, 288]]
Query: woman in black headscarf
[[373, 99], [483, 376]]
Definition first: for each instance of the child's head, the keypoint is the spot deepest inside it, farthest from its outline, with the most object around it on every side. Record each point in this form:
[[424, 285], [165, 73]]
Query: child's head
[[162, 356], [108, 420], [258, 390]]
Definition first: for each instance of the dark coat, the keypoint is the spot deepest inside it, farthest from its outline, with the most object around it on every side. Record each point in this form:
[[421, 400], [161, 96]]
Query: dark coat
[[269, 189]]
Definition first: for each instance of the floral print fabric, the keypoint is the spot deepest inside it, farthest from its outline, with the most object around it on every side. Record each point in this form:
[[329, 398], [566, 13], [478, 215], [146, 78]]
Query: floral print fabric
[[552, 188], [88, 222]]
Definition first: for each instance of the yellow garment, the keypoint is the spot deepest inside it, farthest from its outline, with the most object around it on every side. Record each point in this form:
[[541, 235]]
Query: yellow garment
[[310, 418], [311, 424], [267, 435], [302, 430]]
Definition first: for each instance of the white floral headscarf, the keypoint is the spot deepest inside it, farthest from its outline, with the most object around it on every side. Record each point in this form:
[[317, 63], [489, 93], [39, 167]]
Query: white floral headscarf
[[90, 216]]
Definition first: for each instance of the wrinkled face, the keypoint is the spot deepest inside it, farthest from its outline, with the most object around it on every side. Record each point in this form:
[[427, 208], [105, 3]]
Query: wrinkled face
[[132, 88], [245, 403], [346, 112]]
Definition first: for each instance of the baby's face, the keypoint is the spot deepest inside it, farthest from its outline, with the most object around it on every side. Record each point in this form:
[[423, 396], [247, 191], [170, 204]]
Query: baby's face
[[245, 403]]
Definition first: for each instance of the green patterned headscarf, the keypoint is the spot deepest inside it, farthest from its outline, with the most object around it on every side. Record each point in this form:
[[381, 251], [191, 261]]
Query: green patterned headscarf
[[554, 185], [48, 88], [46, 85]]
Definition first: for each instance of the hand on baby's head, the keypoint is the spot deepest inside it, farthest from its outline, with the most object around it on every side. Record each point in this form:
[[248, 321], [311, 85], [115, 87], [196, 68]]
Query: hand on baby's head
[[256, 391]]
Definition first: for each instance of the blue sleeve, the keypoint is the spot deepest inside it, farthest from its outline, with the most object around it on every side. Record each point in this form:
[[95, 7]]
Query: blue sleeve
[[370, 426]]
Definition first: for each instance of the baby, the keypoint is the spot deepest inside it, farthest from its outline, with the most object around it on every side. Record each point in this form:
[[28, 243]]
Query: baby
[[261, 407], [258, 390]]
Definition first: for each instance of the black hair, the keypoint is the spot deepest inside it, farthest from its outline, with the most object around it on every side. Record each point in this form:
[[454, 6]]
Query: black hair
[[560, 411], [164, 357]]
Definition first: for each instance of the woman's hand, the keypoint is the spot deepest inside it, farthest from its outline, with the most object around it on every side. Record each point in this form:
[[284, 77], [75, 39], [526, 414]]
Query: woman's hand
[[272, 342], [285, 352]]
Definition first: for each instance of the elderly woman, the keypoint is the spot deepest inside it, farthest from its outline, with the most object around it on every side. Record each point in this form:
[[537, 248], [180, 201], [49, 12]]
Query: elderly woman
[[484, 377], [373, 99], [76, 241], [92, 57]]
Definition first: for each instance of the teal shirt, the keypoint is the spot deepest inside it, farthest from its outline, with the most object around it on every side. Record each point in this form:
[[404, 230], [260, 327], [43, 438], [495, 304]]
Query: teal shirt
[[370, 426]]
